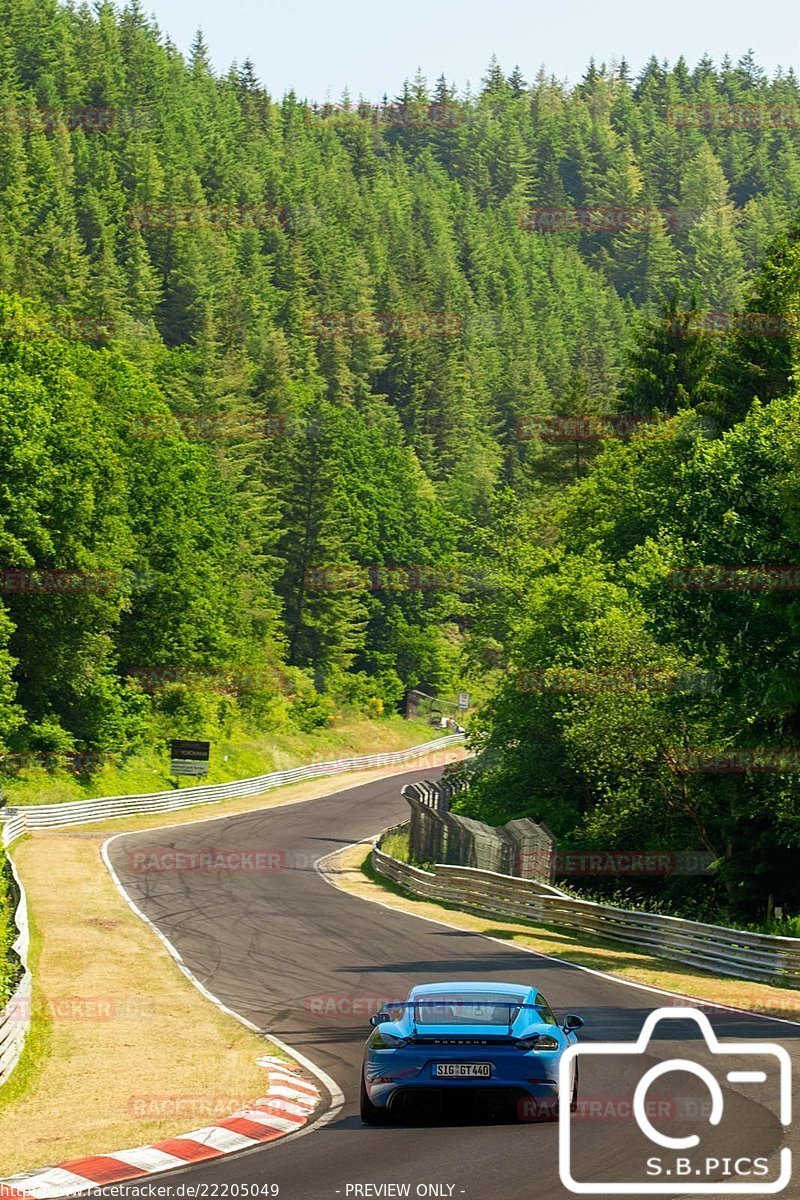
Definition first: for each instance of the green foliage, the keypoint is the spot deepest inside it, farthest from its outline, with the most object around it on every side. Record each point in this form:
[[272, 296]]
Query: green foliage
[[262, 577], [604, 755], [396, 846], [311, 711]]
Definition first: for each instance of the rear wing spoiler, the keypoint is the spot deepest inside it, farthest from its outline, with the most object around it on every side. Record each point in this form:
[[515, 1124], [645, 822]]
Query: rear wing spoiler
[[393, 1010]]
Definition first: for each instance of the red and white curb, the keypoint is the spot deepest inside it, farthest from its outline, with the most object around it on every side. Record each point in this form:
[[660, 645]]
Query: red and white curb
[[287, 1107]]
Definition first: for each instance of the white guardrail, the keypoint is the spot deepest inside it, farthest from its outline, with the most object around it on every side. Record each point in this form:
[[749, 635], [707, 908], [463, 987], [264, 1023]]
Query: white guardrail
[[20, 820], [714, 948], [15, 1018]]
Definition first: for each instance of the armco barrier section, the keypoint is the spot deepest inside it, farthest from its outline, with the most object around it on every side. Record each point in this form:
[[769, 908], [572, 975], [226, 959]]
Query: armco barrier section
[[12, 828], [519, 847], [757, 956], [19, 820], [15, 1018]]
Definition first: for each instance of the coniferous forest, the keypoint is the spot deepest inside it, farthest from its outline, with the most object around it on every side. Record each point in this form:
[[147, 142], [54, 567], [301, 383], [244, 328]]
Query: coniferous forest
[[336, 402]]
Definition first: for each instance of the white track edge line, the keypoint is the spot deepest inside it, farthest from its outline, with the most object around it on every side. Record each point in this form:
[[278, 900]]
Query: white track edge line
[[335, 1092], [330, 1084]]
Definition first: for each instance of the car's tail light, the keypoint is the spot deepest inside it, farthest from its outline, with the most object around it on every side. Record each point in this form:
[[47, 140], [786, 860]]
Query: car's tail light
[[542, 1042], [381, 1040]]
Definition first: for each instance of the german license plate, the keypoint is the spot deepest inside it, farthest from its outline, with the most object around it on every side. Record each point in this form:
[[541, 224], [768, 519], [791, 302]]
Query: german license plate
[[462, 1070]]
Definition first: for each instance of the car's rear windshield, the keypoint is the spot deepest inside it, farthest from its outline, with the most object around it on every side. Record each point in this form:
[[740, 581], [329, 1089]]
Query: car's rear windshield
[[467, 1008]]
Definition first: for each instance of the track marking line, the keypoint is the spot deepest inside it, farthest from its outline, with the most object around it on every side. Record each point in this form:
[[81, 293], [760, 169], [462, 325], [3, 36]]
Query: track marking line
[[177, 1155]]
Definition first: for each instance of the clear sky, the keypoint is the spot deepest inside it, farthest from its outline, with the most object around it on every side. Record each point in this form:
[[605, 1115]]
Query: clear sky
[[319, 47]]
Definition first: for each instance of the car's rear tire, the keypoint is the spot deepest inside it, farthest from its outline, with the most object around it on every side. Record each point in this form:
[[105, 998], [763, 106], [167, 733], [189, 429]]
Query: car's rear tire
[[370, 1113], [550, 1110], [573, 1104]]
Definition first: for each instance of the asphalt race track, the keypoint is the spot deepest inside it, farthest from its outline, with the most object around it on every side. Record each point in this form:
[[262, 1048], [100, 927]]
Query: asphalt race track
[[302, 960]]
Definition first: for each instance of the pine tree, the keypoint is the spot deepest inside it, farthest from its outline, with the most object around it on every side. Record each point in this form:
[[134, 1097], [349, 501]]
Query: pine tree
[[670, 365], [714, 257], [494, 82], [516, 82]]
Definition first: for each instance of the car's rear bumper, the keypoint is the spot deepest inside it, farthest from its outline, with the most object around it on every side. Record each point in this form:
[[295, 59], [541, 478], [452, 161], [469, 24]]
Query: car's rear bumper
[[531, 1098], [407, 1100]]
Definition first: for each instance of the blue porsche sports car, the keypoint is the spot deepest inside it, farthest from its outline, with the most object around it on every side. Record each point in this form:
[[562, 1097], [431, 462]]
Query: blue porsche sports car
[[449, 1042]]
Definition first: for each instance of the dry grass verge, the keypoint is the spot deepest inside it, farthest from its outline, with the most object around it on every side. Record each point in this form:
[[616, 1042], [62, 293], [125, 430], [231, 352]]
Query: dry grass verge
[[128, 1051], [124, 1050]]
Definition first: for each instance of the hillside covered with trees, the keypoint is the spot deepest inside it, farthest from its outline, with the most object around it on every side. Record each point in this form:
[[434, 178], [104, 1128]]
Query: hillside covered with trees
[[650, 695]]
